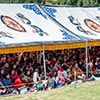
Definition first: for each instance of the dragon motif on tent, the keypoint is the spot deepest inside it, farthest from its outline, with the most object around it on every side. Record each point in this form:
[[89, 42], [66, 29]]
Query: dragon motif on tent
[[5, 34], [98, 18], [26, 21], [67, 36], [78, 25]]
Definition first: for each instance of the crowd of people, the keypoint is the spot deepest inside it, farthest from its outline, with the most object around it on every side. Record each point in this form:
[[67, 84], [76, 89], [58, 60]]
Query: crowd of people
[[24, 72]]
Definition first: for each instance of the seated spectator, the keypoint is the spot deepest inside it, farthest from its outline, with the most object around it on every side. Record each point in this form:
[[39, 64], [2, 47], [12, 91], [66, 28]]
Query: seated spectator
[[2, 88], [64, 72], [2, 72], [57, 81], [14, 75], [3, 59], [28, 79], [79, 73], [19, 85], [61, 76], [7, 82], [51, 83]]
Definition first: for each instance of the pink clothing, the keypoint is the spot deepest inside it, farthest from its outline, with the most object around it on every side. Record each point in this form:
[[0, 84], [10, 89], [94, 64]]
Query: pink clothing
[[62, 79]]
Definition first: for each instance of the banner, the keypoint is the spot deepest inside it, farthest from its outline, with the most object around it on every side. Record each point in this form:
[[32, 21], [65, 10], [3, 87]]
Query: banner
[[60, 46]]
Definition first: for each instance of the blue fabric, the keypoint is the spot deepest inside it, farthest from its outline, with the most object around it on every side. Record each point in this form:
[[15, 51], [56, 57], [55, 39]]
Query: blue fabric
[[65, 74], [1, 84], [98, 66], [57, 82], [50, 10], [6, 82]]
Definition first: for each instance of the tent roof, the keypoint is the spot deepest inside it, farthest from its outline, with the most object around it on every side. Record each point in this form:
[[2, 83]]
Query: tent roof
[[82, 21], [23, 27], [28, 24]]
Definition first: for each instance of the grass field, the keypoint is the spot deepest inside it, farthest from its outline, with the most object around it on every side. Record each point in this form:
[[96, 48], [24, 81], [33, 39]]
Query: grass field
[[83, 91]]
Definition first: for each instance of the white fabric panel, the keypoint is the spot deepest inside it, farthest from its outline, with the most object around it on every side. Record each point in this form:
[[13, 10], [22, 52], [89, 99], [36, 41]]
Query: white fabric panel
[[29, 16], [79, 15]]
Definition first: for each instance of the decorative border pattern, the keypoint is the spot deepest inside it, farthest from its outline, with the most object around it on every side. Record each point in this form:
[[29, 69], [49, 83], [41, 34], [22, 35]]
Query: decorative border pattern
[[50, 11], [67, 36], [34, 8], [78, 25]]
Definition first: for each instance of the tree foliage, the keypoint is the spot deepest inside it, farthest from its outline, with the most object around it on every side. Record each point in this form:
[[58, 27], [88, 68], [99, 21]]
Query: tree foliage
[[79, 2], [58, 2]]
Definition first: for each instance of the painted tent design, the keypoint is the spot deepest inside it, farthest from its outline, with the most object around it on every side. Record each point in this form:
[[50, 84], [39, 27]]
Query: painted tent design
[[29, 24], [84, 22]]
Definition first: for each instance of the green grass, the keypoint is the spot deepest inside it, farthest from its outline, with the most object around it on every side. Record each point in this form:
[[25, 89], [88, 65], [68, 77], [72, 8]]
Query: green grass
[[83, 91]]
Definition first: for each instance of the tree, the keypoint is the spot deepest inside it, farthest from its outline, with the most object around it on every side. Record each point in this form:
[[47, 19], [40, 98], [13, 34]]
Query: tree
[[59, 2], [72, 2], [79, 3], [90, 3], [94, 3]]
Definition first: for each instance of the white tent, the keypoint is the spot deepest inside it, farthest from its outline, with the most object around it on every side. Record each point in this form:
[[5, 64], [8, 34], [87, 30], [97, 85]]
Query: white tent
[[26, 24], [23, 27], [84, 22]]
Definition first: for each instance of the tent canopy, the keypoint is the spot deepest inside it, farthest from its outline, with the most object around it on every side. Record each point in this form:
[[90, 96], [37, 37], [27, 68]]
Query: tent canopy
[[82, 21], [24, 27], [26, 24]]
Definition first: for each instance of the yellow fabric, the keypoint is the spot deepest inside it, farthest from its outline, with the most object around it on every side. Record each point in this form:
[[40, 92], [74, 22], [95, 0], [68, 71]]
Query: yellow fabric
[[57, 46]]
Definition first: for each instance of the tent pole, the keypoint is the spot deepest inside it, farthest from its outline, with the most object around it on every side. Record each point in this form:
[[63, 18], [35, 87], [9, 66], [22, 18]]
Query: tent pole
[[44, 61], [86, 51]]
